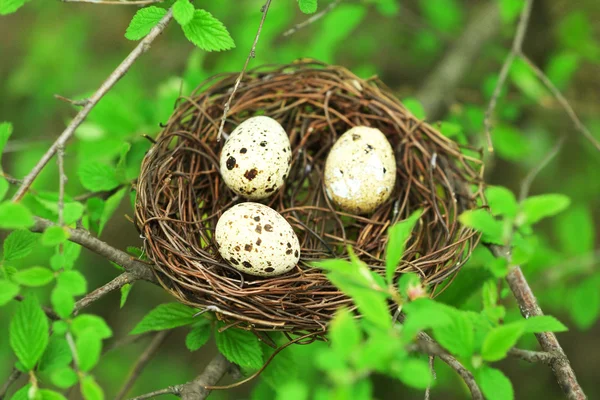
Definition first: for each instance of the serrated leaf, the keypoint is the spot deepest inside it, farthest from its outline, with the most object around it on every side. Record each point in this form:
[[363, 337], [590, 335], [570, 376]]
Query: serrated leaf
[[57, 354], [165, 316], [575, 230], [71, 252], [183, 11], [72, 281], [15, 216], [501, 201], [501, 339], [125, 294], [6, 128], [543, 323], [19, 244], [110, 206], [240, 347], [54, 236], [495, 385], [9, 7], [90, 389], [34, 276], [458, 336], [197, 337], [62, 302], [399, 234], [8, 291], [89, 348], [143, 21], [29, 332], [64, 377], [207, 32], [344, 333], [308, 6], [96, 176], [90, 323], [585, 303], [3, 186], [535, 208], [46, 394], [482, 221], [415, 373]]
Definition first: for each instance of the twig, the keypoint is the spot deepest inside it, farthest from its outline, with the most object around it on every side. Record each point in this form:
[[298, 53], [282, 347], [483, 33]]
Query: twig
[[198, 389], [14, 375], [433, 377], [117, 74], [533, 356], [62, 180], [526, 184], [252, 54], [115, 284], [125, 341], [313, 18], [141, 363], [115, 2], [78, 103], [84, 238], [445, 78], [562, 100], [168, 390], [514, 52]]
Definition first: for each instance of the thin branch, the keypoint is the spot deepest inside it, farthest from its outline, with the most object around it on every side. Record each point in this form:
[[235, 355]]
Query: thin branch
[[117, 74], [562, 100], [141, 363], [313, 18], [14, 375], [514, 52], [175, 390], [198, 389], [116, 2], [62, 180], [77, 103], [433, 377], [84, 238], [125, 341], [526, 184], [115, 284], [252, 54], [534, 356]]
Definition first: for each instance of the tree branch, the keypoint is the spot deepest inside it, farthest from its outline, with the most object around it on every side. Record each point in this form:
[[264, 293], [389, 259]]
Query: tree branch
[[141, 363], [14, 375], [533, 356], [117, 74], [214, 371], [313, 18], [441, 83], [116, 284], [252, 54]]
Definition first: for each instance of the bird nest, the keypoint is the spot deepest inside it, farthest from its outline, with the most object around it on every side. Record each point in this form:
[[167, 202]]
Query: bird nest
[[181, 195]]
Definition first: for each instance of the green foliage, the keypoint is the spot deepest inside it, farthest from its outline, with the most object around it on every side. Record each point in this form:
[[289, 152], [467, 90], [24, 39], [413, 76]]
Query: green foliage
[[484, 222], [398, 235], [240, 347], [96, 176], [536, 208], [85, 323], [6, 129], [143, 21], [415, 107], [19, 244], [445, 15], [207, 32], [34, 276], [501, 201], [510, 10], [62, 301], [89, 347], [165, 316], [57, 355], [125, 290], [183, 12], [54, 236], [15, 216], [8, 7], [308, 6], [197, 337], [73, 282], [345, 334], [585, 303], [495, 385], [29, 332], [8, 291], [499, 340], [90, 389]]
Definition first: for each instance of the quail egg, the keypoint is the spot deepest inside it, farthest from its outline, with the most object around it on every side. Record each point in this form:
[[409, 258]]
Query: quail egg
[[257, 240], [256, 158], [360, 170]]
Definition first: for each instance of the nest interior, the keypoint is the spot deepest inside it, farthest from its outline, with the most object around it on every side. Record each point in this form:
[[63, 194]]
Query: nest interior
[[180, 194]]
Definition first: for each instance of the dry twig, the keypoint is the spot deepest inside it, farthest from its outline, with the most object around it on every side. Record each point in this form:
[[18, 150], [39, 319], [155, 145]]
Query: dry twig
[[313, 18]]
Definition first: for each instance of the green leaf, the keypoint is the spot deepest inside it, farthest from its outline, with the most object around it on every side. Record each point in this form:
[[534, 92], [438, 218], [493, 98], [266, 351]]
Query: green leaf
[[562, 67], [19, 244], [293, 389], [8, 291], [445, 15], [482, 221], [585, 303], [575, 230], [344, 333], [535, 208], [92, 323], [501, 201], [501, 339], [90, 389], [415, 373], [3, 187], [62, 301], [308, 6], [22, 394], [60, 327], [143, 21], [54, 236], [29, 332], [46, 394], [495, 385], [15, 216], [165, 316], [207, 32], [183, 11], [96, 176], [509, 143], [399, 234], [543, 323], [110, 206], [197, 337], [425, 313], [72, 281], [125, 294], [89, 347], [34, 276], [240, 347], [407, 283], [9, 7], [6, 128], [415, 107], [458, 336], [57, 354], [525, 79], [510, 10], [64, 377]]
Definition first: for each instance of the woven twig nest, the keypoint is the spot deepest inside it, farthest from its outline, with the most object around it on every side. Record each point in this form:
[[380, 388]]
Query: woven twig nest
[[181, 195]]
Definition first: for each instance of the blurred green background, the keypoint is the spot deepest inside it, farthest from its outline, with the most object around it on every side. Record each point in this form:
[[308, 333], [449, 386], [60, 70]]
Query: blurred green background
[[51, 47]]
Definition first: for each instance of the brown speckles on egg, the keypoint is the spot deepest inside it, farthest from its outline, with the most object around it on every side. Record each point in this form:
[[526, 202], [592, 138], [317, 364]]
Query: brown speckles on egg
[[248, 247], [268, 227], [247, 264], [230, 163], [251, 174]]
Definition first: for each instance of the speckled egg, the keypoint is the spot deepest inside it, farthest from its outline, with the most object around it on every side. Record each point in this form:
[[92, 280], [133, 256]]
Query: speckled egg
[[360, 170], [257, 240], [256, 158]]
